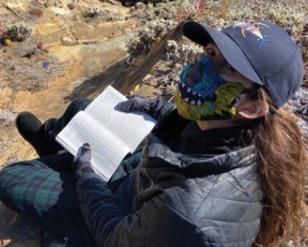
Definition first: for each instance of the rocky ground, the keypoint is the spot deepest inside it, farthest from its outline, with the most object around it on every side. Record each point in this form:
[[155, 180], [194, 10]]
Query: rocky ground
[[53, 51]]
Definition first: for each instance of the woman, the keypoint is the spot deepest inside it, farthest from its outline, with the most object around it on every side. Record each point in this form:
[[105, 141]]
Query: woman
[[225, 168]]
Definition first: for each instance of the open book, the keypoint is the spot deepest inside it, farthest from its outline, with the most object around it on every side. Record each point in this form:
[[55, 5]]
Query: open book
[[111, 134]]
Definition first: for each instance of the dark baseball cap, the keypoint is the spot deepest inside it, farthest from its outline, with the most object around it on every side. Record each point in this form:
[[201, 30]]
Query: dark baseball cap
[[261, 51]]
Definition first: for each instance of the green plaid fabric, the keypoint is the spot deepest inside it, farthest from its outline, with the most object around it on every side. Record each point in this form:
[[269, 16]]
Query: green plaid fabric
[[31, 187], [34, 189]]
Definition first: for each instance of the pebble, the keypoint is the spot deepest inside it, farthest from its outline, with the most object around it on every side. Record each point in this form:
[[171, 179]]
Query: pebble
[[68, 41], [140, 5], [40, 46], [7, 116]]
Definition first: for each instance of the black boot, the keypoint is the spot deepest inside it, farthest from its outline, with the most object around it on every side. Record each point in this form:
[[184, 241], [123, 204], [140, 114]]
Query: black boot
[[37, 134], [129, 3]]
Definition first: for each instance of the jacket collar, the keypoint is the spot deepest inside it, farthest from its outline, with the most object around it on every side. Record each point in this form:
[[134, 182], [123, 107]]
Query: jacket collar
[[211, 164]]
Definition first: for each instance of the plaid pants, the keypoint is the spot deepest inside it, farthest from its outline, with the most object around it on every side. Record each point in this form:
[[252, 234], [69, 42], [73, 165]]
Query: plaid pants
[[49, 197], [35, 190]]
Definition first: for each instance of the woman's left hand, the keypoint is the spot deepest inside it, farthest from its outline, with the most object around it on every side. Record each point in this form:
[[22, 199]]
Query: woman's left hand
[[83, 157]]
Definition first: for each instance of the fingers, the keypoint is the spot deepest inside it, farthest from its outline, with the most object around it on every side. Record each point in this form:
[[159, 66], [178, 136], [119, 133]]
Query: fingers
[[84, 153], [134, 103], [125, 106], [131, 104], [86, 147]]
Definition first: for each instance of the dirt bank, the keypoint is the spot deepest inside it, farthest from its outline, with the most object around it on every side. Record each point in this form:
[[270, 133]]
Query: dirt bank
[[64, 51]]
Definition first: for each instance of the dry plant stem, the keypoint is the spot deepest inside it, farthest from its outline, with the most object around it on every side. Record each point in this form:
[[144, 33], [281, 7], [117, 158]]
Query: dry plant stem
[[87, 41], [13, 11], [78, 42]]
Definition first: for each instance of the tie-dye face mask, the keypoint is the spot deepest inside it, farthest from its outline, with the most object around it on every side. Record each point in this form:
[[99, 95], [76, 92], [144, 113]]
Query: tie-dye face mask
[[203, 93]]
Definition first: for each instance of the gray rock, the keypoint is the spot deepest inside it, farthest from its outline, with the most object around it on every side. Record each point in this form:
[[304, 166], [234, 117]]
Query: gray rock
[[7, 116], [140, 5]]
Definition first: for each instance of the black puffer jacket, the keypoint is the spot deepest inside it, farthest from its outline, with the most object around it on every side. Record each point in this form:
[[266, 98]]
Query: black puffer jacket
[[176, 199]]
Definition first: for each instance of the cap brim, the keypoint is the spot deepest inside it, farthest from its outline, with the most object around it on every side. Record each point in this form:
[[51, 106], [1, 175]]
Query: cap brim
[[202, 34]]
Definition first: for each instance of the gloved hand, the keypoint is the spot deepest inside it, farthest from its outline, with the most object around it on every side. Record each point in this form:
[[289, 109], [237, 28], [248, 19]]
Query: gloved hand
[[83, 154], [134, 103], [82, 160], [149, 106]]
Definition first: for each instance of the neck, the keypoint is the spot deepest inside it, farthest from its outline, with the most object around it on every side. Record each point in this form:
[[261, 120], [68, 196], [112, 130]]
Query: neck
[[215, 124]]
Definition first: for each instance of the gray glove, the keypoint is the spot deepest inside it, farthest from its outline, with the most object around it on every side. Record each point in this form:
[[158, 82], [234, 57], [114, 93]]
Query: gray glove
[[149, 106], [83, 154], [82, 159]]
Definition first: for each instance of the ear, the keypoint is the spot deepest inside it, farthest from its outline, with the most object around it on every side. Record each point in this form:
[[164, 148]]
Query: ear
[[251, 109]]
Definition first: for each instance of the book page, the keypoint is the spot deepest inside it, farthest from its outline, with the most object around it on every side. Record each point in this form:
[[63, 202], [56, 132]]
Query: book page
[[130, 128], [107, 151]]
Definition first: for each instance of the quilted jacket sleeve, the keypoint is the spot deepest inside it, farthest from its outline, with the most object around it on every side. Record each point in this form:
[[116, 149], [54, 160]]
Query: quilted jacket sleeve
[[154, 224]]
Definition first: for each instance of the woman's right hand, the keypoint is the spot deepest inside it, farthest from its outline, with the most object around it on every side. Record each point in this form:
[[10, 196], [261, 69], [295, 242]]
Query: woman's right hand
[[150, 106], [135, 103]]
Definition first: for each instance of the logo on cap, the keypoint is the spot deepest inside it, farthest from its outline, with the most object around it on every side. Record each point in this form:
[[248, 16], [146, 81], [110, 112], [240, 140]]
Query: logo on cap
[[254, 28]]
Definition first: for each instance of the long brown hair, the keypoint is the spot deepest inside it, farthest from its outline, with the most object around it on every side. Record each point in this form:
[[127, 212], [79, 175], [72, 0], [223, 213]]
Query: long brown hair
[[281, 158]]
